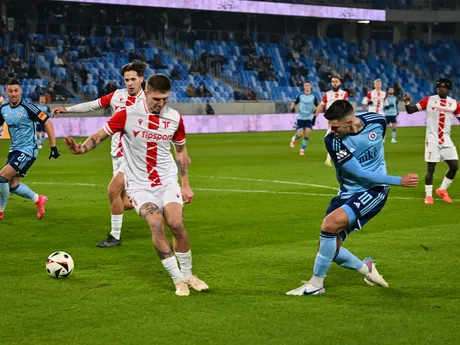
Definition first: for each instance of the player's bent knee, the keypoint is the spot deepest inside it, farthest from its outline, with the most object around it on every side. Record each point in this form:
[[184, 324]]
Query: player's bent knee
[[176, 226]]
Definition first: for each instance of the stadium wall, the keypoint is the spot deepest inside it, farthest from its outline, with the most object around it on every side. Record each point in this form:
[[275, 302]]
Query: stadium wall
[[85, 126]]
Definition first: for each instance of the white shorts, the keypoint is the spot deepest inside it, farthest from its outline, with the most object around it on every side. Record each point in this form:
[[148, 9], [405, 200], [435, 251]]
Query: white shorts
[[117, 164], [160, 196], [435, 153]]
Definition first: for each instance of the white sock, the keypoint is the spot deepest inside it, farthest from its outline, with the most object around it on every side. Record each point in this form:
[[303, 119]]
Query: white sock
[[117, 221], [446, 182], [428, 190], [328, 158], [185, 262], [170, 265], [317, 282], [364, 270], [35, 198]]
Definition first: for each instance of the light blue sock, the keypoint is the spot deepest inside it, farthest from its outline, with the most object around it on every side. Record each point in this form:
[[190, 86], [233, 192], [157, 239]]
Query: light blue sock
[[42, 140], [25, 192], [393, 134], [4, 194], [304, 143], [327, 249], [346, 259]]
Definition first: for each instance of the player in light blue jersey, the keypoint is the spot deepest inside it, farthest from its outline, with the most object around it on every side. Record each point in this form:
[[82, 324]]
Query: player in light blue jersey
[[391, 112], [306, 116], [355, 144], [41, 132], [21, 116]]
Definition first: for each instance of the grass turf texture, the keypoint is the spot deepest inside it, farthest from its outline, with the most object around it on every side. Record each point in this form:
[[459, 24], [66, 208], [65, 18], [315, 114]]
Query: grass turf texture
[[250, 247]]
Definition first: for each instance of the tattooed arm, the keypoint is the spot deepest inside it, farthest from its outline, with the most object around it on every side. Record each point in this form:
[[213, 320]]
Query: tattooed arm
[[88, 145], [183, 161]]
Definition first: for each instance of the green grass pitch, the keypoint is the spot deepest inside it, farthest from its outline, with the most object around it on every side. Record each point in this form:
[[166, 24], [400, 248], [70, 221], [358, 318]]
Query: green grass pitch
[[254, 227]]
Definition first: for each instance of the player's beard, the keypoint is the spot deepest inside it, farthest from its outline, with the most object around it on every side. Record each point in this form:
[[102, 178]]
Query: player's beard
[[335, 89]]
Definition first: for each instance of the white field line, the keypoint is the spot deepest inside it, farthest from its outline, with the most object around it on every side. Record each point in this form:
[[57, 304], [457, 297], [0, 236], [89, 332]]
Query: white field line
[[270, 181]]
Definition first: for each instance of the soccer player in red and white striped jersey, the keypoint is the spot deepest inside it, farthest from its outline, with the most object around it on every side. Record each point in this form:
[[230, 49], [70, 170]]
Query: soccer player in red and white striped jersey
[[376, 100], [133, 74], [150, 173], [330, 97], [440, 109]]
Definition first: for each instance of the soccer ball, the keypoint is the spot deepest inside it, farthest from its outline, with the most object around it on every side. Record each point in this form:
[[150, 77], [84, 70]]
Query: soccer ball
[[59, 265]]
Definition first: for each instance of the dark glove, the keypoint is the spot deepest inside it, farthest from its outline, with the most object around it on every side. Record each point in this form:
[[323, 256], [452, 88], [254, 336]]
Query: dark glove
[[370, 103], [54, 153], [313, 120], [387, 107], [292, 110]]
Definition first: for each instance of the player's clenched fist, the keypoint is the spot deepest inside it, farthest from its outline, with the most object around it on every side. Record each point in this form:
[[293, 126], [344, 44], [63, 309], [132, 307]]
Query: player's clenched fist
[[409, 180], [59, 110], [187, 194], [406, 99]]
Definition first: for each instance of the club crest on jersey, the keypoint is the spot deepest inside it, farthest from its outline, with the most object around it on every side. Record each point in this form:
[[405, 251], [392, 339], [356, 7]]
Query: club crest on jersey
[[19, 114], [372, 135]]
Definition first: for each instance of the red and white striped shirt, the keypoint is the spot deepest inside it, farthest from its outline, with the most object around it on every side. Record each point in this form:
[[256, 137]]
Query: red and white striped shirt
[[439, 113], [379, 101], [331, 96], [147, 144], [114, 101]]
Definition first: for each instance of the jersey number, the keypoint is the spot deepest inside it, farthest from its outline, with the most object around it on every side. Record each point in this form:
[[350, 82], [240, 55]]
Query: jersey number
[[365, 198]]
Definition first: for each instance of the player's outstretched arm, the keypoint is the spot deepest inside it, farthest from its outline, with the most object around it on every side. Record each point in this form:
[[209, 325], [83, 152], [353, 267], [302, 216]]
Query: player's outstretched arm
[[89, 144], [319, 109], [79, 108], [52, 138], [183, 161], [352, 166]]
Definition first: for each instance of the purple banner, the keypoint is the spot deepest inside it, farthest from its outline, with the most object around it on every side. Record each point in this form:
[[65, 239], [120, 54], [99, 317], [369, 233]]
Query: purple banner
[[258, 7], [85, 126]]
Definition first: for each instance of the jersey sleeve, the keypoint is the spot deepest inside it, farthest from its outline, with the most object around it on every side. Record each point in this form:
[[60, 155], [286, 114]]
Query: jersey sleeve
[[324, 101], [116, 123], [337, 150], [367, 98], [346, 96], [422, 104], [297, 100], [179, 135], [457, 110], [34, 113], [104, 101], [48, 111]]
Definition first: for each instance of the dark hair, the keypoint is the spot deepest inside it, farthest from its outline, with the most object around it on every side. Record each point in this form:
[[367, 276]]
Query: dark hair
[[12, 82], [336, 77], [159, 82], [136, 66], [339, 110], [445, 81], [307, 82]]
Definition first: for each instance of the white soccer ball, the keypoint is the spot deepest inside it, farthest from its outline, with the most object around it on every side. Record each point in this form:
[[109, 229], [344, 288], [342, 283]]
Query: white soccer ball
[[59, 265]]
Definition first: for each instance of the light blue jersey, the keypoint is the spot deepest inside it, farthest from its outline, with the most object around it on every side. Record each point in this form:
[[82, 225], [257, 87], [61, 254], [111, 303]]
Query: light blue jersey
[[359, 158], [393, 106], [307, 106], [21, 126]]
